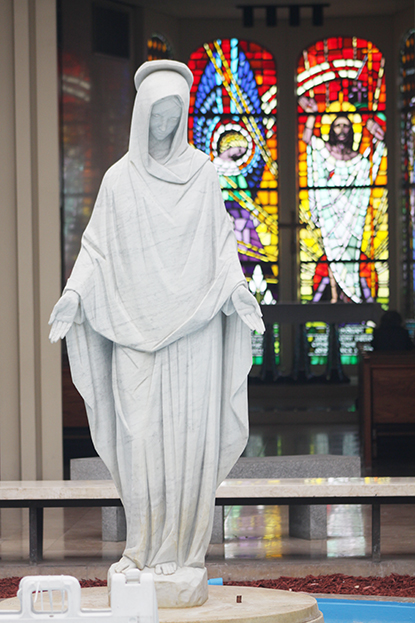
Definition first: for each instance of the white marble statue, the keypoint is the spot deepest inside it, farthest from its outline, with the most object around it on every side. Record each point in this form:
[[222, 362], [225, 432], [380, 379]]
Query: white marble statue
[[158, 317]]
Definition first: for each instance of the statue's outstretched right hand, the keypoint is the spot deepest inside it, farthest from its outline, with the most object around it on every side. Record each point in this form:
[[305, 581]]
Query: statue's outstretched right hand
[[63, 315], [248, 309]]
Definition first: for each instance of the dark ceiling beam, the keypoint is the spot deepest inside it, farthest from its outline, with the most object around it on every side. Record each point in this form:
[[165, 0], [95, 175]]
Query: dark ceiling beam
[[248, 16], [271, 13], [294, 15], [317, 15]]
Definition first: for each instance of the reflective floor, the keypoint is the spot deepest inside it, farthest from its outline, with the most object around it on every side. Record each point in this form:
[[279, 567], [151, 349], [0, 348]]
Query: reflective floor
[[262, 532], [73, 535], [253, 535], [285, 439]]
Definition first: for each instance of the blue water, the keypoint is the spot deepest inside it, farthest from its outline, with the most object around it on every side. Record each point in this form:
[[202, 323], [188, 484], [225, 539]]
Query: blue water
[[357, 611], [351, 611]]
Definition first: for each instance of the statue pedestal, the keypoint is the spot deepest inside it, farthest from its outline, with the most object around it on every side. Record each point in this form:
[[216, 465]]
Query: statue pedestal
[[226, 604], [256, 605], [185, 586]]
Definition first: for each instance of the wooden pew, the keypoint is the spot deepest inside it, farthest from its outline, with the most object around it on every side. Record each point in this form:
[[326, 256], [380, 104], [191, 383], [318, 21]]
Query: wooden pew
[[386, 398]]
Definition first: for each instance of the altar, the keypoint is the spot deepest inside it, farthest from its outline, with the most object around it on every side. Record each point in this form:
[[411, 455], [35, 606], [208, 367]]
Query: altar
[[298, 314]]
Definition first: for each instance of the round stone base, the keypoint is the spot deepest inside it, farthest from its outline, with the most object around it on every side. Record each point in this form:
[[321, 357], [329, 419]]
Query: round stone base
[[226, 604]]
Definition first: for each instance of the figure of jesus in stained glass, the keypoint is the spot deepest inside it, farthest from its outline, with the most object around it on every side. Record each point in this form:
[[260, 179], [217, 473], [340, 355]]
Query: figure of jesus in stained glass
[[342, 172], [339, 179]]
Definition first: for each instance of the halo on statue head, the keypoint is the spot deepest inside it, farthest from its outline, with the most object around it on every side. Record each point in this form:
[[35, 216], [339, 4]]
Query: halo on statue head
[[150, 67], [335, 110], [230, 135]]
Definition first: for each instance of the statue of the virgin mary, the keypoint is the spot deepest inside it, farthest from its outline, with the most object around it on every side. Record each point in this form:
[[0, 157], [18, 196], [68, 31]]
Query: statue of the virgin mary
[[158, 318]]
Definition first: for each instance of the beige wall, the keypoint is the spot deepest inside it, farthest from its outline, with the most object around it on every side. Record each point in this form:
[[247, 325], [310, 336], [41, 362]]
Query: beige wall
[[30, 372]]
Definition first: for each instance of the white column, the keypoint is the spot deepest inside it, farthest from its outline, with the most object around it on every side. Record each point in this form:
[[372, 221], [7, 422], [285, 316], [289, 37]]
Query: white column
[[30, 383], [48, 232], [9, 336]]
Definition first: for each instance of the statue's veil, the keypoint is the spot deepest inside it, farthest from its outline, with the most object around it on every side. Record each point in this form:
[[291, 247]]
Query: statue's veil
[[156, 80]]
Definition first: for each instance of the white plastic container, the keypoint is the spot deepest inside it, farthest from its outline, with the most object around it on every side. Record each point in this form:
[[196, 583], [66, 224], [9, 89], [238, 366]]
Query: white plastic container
[[58, 597]]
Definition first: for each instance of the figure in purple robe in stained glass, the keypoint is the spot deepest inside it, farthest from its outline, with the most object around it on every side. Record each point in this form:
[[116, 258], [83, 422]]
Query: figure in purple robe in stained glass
[[233, 146], [233, 118]]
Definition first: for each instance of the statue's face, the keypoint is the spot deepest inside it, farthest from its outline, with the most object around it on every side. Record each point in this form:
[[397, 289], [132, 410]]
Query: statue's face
[[341, 128], [165, 117]]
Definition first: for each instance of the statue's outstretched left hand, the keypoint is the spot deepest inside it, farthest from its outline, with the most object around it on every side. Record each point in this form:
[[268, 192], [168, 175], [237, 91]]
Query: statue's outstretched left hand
[[63, 315], [248, 309]]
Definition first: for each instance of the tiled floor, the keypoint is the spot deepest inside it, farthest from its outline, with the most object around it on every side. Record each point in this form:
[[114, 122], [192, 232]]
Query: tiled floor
[[256, 538], [262, 532]]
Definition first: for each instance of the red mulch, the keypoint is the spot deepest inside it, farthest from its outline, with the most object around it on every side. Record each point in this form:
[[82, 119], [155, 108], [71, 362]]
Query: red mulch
[[390, 586], [8, 587]]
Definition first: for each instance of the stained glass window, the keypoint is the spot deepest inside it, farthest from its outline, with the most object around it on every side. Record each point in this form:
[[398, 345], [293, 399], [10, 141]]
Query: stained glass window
[[232, 117], [342, 176], [158, 48], [408, 175]]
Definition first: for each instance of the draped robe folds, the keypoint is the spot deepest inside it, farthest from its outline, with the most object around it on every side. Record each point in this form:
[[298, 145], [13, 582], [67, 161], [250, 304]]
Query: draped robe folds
[[157, 350]]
